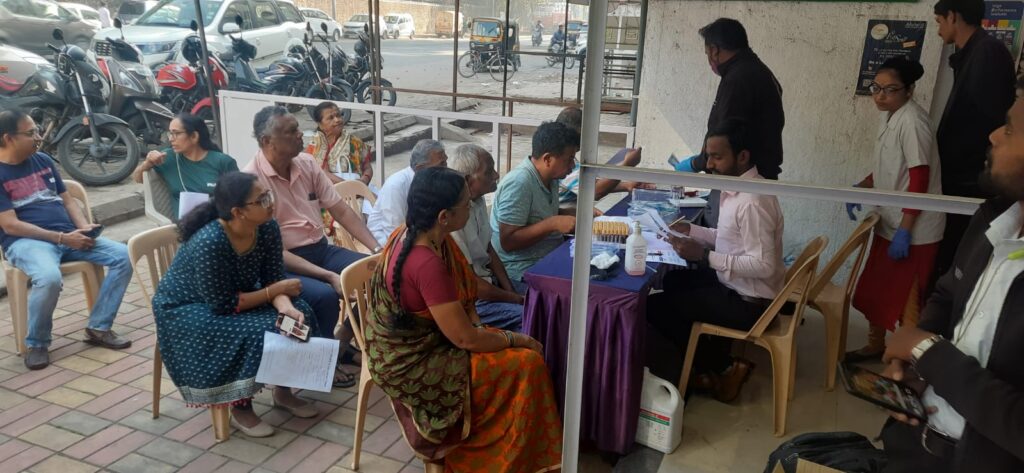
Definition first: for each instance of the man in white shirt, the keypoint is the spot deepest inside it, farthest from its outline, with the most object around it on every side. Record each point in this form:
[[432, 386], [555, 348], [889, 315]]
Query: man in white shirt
[[745, 270], [392, 201], [965, 354], [104, 15], [498, 303]]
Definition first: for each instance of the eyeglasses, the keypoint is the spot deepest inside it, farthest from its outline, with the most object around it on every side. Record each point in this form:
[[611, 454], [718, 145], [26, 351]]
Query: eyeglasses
[[33, 133], [174, 134], [266, 200], [877, 89]]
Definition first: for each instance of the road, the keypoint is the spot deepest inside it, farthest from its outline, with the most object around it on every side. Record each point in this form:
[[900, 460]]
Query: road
[[426, 64]]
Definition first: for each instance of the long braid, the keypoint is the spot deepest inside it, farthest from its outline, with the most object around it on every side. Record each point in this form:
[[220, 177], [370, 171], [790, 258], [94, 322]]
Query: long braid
[[410, 241]]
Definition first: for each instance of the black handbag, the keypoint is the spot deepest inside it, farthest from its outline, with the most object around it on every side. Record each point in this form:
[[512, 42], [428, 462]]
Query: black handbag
[[844, 451]]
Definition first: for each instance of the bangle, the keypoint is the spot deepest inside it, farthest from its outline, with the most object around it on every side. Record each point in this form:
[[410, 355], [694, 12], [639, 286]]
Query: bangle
[[267, 290], [60, 237], [478, 324], [510, 339]]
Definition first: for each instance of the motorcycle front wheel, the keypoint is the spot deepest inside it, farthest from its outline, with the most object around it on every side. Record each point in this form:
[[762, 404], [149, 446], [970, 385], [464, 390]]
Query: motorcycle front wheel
[[106, 161], [364, 93], [338, 92]]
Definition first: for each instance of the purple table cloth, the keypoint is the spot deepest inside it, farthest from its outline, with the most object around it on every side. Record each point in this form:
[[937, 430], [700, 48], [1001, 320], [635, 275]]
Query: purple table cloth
[[615, 342]]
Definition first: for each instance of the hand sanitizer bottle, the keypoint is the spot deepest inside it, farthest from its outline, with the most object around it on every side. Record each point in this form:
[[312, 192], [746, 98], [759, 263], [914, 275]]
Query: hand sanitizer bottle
[[636, 252]]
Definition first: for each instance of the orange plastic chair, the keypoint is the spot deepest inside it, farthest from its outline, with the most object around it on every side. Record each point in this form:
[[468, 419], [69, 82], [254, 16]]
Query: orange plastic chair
[[352, 193]]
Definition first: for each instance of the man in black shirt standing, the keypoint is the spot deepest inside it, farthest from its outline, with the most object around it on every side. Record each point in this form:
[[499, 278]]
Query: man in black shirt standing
[[748, 91], [983, 90]]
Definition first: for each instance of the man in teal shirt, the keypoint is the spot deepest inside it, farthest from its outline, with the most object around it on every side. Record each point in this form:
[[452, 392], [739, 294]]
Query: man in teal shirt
[[192, 163], [525, 218]]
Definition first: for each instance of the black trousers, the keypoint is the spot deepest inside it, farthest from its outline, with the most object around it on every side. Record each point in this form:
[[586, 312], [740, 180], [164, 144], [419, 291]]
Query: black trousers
[[694, 295], [904, 453]]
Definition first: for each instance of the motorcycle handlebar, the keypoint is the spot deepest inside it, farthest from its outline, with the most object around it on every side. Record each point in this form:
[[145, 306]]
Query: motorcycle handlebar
[[53, 48]]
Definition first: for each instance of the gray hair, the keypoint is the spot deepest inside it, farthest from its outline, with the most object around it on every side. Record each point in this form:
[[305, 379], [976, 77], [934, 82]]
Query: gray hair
[[421, 152], [468, 158], [264, 120]]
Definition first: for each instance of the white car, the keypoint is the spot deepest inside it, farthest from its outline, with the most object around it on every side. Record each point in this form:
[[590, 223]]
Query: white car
[[400, 24], [267, 24], [85, 12], [316, 18], [354, 25]]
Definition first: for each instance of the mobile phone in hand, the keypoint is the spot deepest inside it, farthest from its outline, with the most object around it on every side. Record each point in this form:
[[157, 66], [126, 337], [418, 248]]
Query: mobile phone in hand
[[95, 232], [880, 390], [292, 327]]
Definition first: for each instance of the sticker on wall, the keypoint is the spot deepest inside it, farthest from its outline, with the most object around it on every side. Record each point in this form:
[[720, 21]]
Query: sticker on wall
[[886, 39], [1002, 21]]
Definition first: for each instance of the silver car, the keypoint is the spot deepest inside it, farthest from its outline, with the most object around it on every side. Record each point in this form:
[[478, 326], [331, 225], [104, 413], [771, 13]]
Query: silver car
[[29, 24]]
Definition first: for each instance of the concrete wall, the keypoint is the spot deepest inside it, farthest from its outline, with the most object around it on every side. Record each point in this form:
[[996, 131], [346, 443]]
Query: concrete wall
[[815, 51]]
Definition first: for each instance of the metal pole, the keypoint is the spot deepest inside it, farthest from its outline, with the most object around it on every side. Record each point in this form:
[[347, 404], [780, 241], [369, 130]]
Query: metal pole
[[639, 64], [455, 57], [502, 48], [584, 226], [378, 54], [215, 105], [565, 47], [334, 10]]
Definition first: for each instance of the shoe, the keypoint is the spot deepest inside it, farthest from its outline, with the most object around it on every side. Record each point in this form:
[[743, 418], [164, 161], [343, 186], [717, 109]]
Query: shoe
[[37, 358], [106, 338], [304, 411], [728, 385], [257, 431]]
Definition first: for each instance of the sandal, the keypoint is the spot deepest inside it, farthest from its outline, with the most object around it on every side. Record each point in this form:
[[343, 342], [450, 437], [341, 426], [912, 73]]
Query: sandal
[[343, 379]]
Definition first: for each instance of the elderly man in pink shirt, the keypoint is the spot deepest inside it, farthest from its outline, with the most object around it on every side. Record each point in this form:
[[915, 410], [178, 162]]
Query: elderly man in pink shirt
[[301, 189], [741, 271]]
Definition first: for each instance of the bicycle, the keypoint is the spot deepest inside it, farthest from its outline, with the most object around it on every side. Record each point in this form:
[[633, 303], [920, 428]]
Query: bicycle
[[471, 62]]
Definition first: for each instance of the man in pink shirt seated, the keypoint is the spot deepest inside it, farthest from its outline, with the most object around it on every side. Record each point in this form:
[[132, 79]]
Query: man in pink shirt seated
[[741, 271], [300, 190]]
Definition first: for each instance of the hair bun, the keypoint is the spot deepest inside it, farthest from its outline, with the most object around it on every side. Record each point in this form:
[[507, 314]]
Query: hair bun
[[907, 69]]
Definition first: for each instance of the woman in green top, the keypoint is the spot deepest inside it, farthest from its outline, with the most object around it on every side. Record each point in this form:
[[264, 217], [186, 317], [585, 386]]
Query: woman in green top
[[192, 163]]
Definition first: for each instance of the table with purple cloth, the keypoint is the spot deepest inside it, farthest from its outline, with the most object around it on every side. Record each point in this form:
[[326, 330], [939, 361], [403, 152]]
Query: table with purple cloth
[[616, 329]]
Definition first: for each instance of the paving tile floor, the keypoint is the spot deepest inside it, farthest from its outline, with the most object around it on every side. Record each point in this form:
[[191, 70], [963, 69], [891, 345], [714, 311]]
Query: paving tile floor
[[91, 410]]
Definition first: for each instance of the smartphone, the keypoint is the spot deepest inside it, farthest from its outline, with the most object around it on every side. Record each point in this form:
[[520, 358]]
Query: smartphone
[[673, 160], [292, 327], [95, 232], [886, 392]]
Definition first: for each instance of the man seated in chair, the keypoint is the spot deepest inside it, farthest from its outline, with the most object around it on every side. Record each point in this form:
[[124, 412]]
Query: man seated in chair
[[498, 304], [300, 190], [965, 353], [526, 222], [742, 271], [41, 225], [389, 211]]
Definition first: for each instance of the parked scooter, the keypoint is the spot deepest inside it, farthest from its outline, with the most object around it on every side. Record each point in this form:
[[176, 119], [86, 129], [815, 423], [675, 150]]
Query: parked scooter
[[185, 85], [134, 94], [297, 75], [69, 103], [356, 70]]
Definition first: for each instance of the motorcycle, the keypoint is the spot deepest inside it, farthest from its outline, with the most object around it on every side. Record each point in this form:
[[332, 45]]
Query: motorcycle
[[565, 53], [134, 93], [185, 85], [538, 35], [356, 70], [69, 102], [297, 75]]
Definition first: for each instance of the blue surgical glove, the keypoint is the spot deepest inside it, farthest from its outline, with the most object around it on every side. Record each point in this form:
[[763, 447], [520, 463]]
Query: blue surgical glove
[[686, 165], [900, 246], [851, 207]]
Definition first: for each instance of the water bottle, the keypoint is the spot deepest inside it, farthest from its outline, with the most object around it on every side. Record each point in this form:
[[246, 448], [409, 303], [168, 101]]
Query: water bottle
[[636, 252]]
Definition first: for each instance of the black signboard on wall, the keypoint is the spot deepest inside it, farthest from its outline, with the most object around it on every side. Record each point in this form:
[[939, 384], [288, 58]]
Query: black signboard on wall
[[887, 39]]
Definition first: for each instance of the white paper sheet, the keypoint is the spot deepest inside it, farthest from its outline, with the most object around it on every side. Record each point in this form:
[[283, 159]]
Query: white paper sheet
[[304, 365], [660, 251], [652, 221], [190, 200]]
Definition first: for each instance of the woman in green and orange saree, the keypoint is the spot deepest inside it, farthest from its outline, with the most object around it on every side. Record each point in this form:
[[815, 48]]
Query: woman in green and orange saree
[[477, 398]]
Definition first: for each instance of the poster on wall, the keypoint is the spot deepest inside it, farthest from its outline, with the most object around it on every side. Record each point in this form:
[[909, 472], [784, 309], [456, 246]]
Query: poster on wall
[[1002, 21], [887, 39]]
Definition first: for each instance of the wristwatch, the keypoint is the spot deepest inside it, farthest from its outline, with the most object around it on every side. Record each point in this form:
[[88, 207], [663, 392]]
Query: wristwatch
[[918, 351]]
